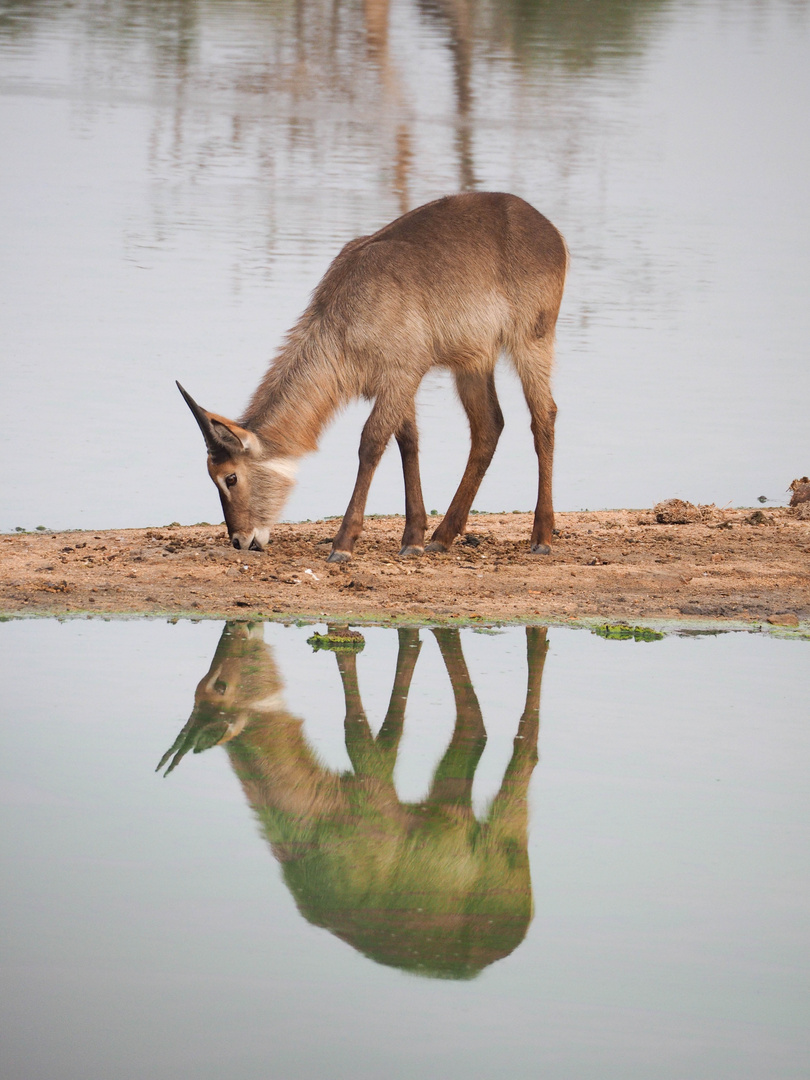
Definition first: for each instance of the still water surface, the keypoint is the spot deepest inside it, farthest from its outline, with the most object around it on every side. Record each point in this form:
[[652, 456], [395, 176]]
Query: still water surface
[[177, 176], [365, 870]]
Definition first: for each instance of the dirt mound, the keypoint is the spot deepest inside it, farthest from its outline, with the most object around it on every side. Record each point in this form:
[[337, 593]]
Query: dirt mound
[[678, 512]]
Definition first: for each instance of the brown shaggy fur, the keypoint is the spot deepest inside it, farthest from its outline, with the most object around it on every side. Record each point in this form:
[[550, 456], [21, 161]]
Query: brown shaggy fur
[[451, 284]]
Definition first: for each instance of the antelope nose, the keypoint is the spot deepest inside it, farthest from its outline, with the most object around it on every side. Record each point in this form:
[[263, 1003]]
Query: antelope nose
[[235, 542]]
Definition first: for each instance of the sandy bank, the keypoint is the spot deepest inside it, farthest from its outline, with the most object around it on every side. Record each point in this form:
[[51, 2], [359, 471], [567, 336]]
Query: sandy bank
[[616, 565]]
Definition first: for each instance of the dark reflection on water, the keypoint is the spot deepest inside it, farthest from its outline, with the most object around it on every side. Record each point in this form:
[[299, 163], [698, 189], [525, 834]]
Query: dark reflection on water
[[321, 70], [423, 886], [580, 33]]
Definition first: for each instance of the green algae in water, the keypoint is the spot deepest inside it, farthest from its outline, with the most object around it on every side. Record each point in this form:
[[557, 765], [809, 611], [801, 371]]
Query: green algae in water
[[622, 632], [338, 641]]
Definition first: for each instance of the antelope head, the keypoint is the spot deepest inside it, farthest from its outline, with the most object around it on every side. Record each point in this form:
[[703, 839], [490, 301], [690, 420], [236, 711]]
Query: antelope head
[[242, 685], [253, 482]]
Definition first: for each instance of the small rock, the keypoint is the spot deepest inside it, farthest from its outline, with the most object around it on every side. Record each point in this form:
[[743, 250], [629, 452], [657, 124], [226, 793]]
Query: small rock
[[759, 518], [717, 557], [787, 618], [801, 491]]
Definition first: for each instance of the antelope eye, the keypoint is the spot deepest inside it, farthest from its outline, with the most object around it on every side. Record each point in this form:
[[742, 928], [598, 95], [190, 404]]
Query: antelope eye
[[230, 480]]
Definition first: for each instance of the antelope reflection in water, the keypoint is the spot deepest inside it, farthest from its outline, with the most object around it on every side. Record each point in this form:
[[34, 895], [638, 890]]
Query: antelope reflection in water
[[423, 886]]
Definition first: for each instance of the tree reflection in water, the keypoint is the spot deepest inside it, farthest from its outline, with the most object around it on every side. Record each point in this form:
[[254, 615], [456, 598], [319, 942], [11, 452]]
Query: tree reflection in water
[[317, 100], [423, 886]]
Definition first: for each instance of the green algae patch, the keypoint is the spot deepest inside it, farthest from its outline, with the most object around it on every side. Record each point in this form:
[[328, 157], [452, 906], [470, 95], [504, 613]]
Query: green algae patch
[[342, 640], [622, 632]]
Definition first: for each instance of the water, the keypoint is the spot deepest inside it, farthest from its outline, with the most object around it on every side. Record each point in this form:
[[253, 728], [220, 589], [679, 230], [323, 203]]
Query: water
[[399, 895], [314, 897], [177, 177]]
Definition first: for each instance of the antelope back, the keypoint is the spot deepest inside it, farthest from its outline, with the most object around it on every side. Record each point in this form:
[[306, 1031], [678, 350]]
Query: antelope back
[[450, 283]]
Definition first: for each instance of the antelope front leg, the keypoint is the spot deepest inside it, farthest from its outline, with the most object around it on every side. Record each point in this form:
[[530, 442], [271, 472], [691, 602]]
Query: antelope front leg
[[390, 733], [453, 779], [380, 426], [480, 402], [360, 745]]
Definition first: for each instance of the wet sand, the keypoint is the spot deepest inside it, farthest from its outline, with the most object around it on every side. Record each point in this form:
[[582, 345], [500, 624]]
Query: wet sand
[[614, 565]]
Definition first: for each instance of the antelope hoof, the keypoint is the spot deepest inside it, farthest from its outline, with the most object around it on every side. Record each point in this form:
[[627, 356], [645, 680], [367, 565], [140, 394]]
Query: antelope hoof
[[541, 549], [407, 550], [339, 556], [435, 545]]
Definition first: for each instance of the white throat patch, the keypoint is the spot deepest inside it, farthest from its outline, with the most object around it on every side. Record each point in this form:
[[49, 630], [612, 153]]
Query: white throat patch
[[284, 466]]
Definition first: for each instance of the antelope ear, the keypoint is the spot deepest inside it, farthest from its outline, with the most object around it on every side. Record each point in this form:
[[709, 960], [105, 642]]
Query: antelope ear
[[223, 437], [236, 438]]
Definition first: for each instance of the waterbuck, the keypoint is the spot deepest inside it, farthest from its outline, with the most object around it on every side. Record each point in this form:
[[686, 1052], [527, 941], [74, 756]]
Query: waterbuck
[[451, 284], [424, 886]]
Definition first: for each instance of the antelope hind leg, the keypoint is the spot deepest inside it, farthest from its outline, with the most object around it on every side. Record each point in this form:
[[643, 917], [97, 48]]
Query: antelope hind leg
[[413, 536], [533, 366], [543, 431]]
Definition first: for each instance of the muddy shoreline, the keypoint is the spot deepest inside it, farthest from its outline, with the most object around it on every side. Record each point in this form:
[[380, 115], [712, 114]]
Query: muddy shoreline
[[736, 568]]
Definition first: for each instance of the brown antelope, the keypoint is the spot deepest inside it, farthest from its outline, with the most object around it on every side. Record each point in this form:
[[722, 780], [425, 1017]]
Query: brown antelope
[[423, 886], [451, 284]]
